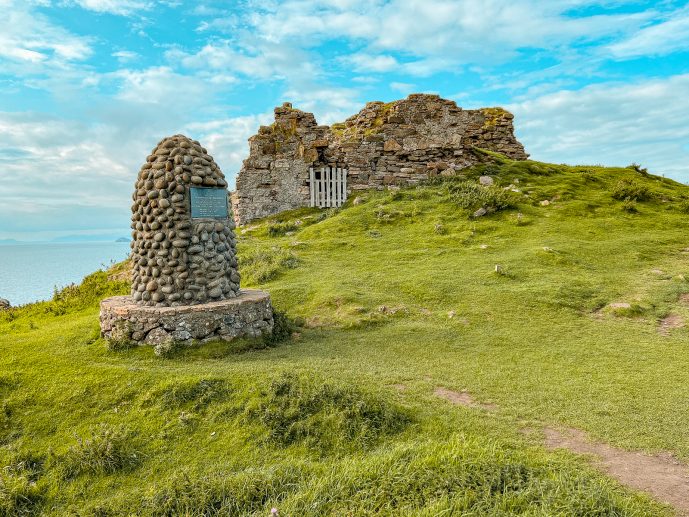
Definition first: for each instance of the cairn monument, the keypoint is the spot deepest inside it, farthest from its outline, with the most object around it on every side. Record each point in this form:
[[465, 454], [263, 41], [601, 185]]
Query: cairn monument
[[185, 282]]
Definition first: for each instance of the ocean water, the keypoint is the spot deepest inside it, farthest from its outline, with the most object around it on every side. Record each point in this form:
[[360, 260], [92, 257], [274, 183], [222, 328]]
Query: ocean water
[[30, 272]]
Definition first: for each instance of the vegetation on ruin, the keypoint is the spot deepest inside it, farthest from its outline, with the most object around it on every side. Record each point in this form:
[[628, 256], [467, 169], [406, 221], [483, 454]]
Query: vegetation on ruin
[[385, 300], [493, 115]]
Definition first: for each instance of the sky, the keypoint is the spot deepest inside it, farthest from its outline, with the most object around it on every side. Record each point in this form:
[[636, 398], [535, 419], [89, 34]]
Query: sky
[[88, 87]]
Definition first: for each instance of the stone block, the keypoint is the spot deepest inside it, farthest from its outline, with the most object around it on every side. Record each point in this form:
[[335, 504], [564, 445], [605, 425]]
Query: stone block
[[391, 145]]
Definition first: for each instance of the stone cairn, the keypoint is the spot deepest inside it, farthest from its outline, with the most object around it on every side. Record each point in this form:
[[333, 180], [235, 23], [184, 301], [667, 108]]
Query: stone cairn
[[185, 283], [177, 260]]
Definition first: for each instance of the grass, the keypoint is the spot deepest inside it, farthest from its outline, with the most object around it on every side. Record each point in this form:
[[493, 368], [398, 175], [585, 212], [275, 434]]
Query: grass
[[392, 298]]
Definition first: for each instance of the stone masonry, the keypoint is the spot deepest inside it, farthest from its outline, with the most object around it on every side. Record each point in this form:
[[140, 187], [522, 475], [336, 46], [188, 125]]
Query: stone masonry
[[185, 284], [248, 315], [177, 260], [384, 145]]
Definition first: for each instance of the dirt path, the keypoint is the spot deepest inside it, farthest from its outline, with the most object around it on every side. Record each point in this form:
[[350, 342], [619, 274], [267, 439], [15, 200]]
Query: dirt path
[[462, 398], [672, 321], [660, 475]]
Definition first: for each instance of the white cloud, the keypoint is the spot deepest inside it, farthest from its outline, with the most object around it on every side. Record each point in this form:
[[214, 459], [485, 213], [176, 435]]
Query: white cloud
[[161, 85], [255, 59], [30, 38], [227, 139], [328, 103], [58, 174], [119, 7], [363, 62], [403, 88], [612, 124], [125, 56], [443, 32], [659, 39]]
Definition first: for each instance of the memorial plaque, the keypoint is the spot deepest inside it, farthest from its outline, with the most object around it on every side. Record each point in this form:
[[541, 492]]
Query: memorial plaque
[[208, 203]]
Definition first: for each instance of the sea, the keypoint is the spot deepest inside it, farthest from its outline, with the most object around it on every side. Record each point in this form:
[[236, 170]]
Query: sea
[[30, 272]]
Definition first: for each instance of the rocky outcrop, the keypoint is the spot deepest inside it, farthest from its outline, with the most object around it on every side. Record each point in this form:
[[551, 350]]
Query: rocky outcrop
[[384, 145], [4, 304]]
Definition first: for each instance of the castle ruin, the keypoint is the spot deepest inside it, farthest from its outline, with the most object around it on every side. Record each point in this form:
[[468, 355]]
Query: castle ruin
[[383, 146]]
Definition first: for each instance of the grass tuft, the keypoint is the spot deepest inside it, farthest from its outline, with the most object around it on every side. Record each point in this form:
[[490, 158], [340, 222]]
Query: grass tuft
[[107, 450], [263, 265], [191, 394], [19, 494], [325, 417]]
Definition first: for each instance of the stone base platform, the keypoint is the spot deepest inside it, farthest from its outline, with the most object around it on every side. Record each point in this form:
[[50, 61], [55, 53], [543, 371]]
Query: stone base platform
[[248, 315]]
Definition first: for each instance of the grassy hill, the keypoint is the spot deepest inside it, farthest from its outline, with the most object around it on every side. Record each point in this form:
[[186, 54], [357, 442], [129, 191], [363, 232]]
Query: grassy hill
[[395, 296]]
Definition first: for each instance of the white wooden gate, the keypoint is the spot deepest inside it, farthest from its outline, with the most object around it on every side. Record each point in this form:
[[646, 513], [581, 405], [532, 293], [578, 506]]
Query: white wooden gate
[[328, 186]]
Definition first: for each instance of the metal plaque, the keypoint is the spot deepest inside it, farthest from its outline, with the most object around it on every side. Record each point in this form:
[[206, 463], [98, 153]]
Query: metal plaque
[[208, 203]]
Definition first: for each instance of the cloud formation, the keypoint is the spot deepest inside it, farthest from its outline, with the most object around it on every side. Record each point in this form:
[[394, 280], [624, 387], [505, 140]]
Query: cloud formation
[[612, 124], [87, 87]]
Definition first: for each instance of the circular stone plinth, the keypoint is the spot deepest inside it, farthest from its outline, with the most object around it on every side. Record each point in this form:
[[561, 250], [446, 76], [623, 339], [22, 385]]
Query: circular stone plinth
[[250, 314]]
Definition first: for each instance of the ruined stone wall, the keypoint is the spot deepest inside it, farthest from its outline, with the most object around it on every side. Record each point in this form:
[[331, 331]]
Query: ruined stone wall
[[177, 260], [394, 144]]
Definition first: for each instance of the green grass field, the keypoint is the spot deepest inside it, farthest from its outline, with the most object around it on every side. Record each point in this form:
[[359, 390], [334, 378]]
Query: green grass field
[[394, 296]]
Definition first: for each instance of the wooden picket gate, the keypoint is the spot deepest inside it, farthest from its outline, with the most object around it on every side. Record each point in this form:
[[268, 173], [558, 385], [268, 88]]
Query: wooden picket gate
[[328, 186]]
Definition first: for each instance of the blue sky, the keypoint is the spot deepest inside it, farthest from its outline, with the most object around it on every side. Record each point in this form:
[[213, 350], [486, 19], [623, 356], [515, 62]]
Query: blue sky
[[88, 87]]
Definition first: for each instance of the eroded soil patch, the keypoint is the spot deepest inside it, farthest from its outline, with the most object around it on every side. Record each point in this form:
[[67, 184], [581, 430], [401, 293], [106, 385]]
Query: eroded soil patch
[[670, 322], [462, 398], [660, 475]]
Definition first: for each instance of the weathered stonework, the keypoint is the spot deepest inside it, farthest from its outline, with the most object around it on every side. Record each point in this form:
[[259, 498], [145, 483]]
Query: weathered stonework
[[384, 145], [177, 260], [247, 315], [185, 284]]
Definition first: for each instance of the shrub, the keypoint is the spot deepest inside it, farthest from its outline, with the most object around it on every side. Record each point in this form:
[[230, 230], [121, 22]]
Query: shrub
[[637, 168], [589, 176], [169, 348], [472, 196], [120, 337], [105, 451], [629, 206], [280, 229], [387, 214], [326, 214], [92, 289], [283, 327], [683, 206], [324, 416], [631, 190]]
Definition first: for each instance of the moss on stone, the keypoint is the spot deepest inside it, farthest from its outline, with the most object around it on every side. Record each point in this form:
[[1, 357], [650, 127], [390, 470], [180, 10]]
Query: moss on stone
[[493, 115]]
